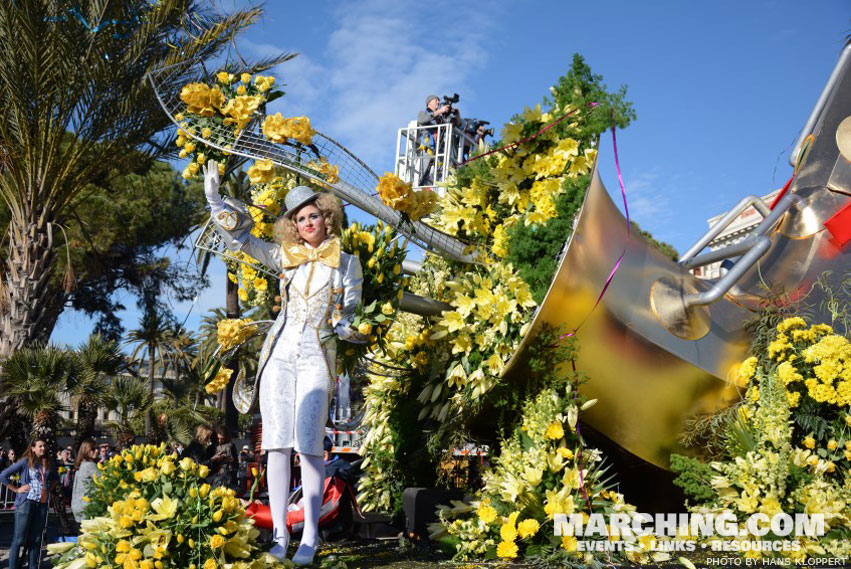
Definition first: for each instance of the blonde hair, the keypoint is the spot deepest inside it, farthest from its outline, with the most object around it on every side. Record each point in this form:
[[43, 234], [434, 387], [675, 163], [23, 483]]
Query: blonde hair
[[203, 433], [331, 208]]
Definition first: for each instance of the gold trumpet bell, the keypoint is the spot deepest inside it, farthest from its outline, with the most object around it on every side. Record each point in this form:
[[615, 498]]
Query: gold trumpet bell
[[652, 362]]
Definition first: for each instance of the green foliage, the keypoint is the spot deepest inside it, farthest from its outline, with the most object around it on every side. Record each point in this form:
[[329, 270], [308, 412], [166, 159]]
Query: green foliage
[[535, 250], [665, 248], [579, 87], [548, 368], [706, 434], [693, 477], [740, 437]]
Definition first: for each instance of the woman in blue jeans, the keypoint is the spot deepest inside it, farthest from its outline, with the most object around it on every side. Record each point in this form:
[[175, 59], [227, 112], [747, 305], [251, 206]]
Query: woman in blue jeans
[[33, 487]]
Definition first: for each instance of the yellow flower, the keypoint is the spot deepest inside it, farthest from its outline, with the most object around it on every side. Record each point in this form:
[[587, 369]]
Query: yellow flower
[[527, 528], [394, 192], [203, 471], [210, 564], [555, 431], [224, 77], [365, 328], [810, 442], [262, 171], [217, 541], [245, 77], [508, 532], [507, 549], [569, 543], [486, 513], [278, 129], [565, 453], [201, 100], [831, 444], [240, 109]]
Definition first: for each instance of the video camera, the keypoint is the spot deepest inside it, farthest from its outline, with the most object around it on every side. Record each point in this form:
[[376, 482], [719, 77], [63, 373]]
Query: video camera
[[471, 127], [452, 115]]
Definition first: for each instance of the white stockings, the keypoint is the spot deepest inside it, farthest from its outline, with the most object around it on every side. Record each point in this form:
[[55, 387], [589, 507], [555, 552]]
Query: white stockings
[[278, 480]]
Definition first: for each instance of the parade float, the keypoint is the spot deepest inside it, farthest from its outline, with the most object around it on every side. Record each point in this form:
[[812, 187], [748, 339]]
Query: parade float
[[538, 311]]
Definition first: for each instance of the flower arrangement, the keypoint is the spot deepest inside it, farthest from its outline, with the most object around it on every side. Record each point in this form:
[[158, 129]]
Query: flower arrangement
[[147, 510], [381, 255], [789, 444], [233, 331], [454, 362], [491, 312], [520, 186], [543, 469], [230, 102], [398, 194]]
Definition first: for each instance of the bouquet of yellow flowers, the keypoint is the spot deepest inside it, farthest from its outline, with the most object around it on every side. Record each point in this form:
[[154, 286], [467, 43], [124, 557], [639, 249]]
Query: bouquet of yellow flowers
[[381, 257], [149, 510], [231, 101], [397, 194]]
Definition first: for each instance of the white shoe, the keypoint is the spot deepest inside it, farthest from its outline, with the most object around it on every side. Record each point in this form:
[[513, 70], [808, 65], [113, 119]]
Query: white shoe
[[279, 551], [304, 555]]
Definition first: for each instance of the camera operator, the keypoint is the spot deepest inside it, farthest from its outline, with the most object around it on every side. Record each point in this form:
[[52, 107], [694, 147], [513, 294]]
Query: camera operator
[[435, 113]]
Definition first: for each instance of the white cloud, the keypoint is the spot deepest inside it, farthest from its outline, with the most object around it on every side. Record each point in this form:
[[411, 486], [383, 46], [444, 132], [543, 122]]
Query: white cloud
[[376, 68], [647, 199]]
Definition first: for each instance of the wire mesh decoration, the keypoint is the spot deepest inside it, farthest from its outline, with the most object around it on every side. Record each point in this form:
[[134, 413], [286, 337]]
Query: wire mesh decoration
[[211, 240], [356, 181]]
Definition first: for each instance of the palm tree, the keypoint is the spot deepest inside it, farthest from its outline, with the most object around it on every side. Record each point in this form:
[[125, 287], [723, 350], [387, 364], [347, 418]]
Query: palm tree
[[129, 397], [34, 381], [99, 358], [154, 336], [76, 110]]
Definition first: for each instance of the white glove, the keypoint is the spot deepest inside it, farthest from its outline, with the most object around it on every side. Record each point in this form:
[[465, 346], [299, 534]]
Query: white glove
[[211, 186]]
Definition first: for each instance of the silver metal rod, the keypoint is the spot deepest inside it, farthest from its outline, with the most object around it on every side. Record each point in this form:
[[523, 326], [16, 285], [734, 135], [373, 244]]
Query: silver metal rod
[[722, 224], [759, 242], [726, 282], [844, 57], [421, 305], [411, 267], [733, 250]]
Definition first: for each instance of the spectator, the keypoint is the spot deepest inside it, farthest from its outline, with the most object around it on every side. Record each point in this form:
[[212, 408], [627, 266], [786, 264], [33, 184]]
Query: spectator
[[36, 479], [245, 458], [4, 460], [224, 464], [85, 468], [66, 472], [104, 452], [11, 456], [200, 450], [335, 465]]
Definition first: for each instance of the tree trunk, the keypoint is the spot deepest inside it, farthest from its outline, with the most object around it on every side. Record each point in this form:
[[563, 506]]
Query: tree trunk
[[25, 287], [232, 309], [87, 410], [149, 414]]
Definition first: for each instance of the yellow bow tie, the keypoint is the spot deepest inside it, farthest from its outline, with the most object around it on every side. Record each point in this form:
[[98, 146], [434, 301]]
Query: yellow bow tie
[[328, 254]]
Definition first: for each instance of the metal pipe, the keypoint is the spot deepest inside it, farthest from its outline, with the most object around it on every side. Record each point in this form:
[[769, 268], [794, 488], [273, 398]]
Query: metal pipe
[[423, 306], [757, 244], [822, 101], [722, 224], [720, 254], [726, 282], [411, 267]]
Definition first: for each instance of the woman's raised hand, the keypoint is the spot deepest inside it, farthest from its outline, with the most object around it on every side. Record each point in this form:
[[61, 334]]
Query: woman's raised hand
[[211, 184]]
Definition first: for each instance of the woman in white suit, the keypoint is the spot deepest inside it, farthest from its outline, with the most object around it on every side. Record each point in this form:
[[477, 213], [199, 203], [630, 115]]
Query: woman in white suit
[[320, 288]]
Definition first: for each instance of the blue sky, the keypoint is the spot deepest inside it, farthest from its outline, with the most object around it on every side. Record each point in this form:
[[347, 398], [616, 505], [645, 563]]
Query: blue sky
[[721, 89]]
